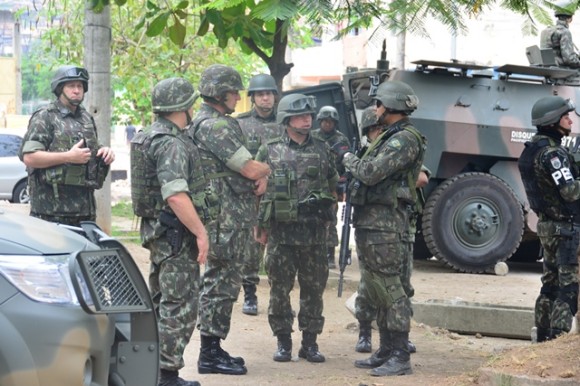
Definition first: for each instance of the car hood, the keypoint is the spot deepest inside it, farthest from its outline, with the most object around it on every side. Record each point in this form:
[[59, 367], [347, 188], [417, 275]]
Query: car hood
[[21, 234]]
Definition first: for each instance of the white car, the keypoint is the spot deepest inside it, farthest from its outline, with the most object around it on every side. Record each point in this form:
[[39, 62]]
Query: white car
[[13, 175]]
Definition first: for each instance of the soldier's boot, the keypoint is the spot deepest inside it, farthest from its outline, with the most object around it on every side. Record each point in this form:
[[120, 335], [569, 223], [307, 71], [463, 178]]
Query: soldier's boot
[[250, 306], [215, 360], [544, 334], [172, 378], [330, 256], [556, 332], [399, 362], [364, 343], [412, 348], [309, 349], [380, 356], [284, 352]]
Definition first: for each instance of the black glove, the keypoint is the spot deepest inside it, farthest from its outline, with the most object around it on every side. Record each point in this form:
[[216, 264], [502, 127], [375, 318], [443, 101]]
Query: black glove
[[340, 150]]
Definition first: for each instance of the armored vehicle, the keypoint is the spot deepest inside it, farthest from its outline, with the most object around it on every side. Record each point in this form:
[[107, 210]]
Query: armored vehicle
[[74, 308], [476, 120]]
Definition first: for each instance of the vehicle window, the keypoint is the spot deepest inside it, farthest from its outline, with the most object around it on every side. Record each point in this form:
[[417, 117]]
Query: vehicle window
[[9, 145]]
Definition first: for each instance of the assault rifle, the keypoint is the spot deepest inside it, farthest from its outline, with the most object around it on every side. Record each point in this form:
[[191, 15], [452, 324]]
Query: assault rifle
[[344, 256]]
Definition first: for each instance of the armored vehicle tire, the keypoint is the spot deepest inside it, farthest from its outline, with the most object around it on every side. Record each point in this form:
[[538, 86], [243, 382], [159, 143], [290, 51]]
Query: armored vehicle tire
[[473, 221]]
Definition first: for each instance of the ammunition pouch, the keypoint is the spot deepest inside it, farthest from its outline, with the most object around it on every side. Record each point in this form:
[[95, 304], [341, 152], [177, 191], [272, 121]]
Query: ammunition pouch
[[285, 210], [265, 213], [384, 290], [253, 144], [569, 242], [92, 175]]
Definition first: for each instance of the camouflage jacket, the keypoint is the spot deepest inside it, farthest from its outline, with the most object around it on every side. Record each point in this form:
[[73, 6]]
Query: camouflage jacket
[[257, 130], [221, 145], [384, 179], [164, 162], [333, 138], [299, 172], [554, 182], [55, 128], [559, 38]]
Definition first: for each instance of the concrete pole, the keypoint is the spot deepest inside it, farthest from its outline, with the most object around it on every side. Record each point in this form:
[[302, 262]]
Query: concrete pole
[[18, 68]]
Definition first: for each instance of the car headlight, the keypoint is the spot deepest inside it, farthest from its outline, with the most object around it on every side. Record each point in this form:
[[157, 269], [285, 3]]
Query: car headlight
[[41, 278]]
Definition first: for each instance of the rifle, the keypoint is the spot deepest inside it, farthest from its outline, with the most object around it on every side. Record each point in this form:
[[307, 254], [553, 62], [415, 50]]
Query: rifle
[[344, 256]]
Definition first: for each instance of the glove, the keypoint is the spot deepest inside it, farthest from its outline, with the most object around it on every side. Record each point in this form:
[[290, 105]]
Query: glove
[[340, 150]]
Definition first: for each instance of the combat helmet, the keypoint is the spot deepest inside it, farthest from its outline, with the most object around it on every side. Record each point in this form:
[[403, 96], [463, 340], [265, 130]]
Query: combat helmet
[[549, 110], [218, 79], [564, 8], [368, 120], [68, 74], [327, 112], [397, 97], [262, 82], [295, 104], [172, 94]]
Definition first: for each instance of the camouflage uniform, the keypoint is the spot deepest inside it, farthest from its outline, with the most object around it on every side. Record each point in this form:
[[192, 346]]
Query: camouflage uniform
[[55, 128], [296, 240], [257, 130], [559, 39], [557, 303], [220, 140], [333, 138], [174, 277]]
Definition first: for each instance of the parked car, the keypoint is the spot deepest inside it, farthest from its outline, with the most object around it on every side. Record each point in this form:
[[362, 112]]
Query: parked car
[[74, 308], [13, 176]]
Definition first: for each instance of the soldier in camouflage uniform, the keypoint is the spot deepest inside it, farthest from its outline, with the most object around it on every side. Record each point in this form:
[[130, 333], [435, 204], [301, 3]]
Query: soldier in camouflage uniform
[[61, 150], [238, 180], [559, 37], [328, 120], [255, 125], [293, 216], [552, 182], [167, 189], [383, 195]]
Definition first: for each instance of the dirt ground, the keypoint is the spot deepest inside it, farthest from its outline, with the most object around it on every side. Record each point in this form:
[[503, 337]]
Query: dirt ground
[[443, 358]]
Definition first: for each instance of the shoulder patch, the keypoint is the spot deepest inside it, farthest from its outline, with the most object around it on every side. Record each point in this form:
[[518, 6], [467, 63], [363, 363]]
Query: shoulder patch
[[395, 143]]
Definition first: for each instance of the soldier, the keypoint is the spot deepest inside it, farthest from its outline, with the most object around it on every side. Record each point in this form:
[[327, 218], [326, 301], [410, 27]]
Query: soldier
[[383, 194], [256, 128], [328, 120], [237, 179], [293, 217], [364, 311], [167, 190], [551, 179], [559, 37], [61, 150]]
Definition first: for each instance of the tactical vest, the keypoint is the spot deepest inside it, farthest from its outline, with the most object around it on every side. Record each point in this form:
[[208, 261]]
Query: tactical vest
[[214, 168], [145, 187], [298, 189], [92, 174], [395, 188], [542, 198]]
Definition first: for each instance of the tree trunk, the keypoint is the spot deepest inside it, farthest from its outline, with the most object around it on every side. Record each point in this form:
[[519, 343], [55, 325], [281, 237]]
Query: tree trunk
[[97, 41]]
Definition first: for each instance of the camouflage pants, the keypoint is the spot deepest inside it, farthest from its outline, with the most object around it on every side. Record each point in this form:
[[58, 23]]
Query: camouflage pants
[[364, 310], [557, 302], [174, 286], [252, 262], [283, 263], [332, 234], [384, 256], [222, 281]]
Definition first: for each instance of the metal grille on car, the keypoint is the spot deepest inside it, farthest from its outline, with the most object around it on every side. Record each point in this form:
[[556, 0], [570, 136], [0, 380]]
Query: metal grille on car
[[109, 282]]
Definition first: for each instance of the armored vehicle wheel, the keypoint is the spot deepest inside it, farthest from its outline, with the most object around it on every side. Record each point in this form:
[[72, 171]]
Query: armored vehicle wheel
[[472, 221]]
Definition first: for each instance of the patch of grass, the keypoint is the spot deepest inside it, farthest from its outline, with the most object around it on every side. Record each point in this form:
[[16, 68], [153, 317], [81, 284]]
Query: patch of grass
[[122, 209]]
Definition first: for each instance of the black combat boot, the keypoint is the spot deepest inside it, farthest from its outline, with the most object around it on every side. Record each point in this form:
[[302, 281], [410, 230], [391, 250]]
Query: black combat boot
[[330, 256], [171, 378], [284, 352], [364, 337], [380, 356], [309, 349], [215, 360], [399, 362], [250, 300]]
